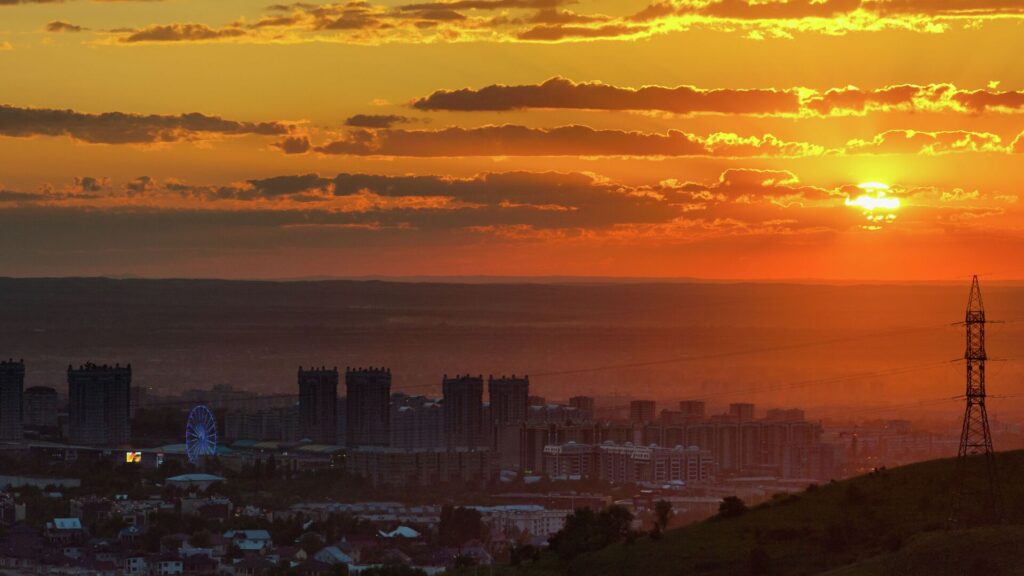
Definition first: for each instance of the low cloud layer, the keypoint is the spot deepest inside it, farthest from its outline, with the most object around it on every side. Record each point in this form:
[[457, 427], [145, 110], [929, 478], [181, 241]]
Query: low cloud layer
[[285, 220], [584, 141], [550, 20], [124, 128], [513, 140], [537, 200], [560, 93]]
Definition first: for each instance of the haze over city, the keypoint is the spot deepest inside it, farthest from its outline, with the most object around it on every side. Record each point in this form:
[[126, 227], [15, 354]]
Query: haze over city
[[530, 287]]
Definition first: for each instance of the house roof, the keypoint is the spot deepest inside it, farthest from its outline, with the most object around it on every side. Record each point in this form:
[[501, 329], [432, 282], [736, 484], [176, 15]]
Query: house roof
[[400, 532], [67, 523], [313, 565], [254, 562], [333, 555], [248, 534], [198, 477]]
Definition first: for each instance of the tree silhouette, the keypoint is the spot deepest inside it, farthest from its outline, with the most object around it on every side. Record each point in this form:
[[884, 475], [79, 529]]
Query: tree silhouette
[[731, 507]]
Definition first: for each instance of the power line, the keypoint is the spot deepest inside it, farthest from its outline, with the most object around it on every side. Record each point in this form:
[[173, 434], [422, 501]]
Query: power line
[[732, 353], [740, 391], [686, 358]]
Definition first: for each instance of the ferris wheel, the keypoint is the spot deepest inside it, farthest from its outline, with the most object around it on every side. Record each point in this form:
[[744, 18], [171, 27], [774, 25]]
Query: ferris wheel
[[200, 434]]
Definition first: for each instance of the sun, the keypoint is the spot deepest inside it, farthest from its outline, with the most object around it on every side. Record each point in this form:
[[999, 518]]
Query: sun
[[875, 203]]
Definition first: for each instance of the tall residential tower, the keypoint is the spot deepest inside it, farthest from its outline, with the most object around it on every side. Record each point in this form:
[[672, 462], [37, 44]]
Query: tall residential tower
[[318, 404], [367, 406], [12, 383], [99, 404], [463, 411]]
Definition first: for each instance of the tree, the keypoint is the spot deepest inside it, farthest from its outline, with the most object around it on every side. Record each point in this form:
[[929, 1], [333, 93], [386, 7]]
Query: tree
[[459, 525], [731, 507], [520, 554], [311, 543], [200, 539], [663, 514], [587, 531]]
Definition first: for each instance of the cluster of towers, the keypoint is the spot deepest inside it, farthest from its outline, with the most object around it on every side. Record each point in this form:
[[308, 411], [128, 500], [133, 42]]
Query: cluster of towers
[[99, 403], [367, 406]]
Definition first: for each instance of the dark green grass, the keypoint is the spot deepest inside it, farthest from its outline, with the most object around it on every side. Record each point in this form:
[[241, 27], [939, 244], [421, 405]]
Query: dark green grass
[[881, 523]]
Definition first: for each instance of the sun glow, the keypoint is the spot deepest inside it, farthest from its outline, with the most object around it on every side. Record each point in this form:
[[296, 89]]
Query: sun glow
[[878, 207]]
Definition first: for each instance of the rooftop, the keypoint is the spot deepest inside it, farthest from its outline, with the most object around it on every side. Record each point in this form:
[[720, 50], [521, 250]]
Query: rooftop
[[197, 477]]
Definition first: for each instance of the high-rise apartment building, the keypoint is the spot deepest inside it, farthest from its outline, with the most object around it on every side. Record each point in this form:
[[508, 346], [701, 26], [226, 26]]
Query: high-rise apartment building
[[40, 407], [585, 406], [318, 404], [641, 411], [99, 404], [463, 411], [367, 406], [742, 411], [416, 422], [12, 383], [509, 399], [692, 409]]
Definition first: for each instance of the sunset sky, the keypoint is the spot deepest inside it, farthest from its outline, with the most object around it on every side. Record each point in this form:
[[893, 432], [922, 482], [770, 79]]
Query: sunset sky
[[719, 139]]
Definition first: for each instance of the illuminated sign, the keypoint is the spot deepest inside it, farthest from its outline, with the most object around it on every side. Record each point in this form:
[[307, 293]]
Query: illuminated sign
[[133, 457]]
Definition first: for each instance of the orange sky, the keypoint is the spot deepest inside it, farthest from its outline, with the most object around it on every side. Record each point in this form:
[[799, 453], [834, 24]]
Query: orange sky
[[696, 138]]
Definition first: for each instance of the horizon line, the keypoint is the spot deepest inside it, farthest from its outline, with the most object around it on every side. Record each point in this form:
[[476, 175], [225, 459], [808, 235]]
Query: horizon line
[[483, 279]]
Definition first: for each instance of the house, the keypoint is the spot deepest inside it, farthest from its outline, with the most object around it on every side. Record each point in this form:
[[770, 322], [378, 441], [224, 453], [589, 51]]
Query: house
[[198, 481], [136, 565], [256, 541], [400, 532], [395, 557], [200, 564], [102, 568], [354, 548], [472, 550], [286, 553], [129, 534], [172, 543], [20, 547], [91, 509], [333, 555], [168, 565], [313, 567], [62, 531], [253, 566], [72, 551]]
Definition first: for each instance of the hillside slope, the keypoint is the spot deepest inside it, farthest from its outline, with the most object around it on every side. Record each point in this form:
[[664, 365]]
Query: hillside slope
[[886, 522], [992, 551]]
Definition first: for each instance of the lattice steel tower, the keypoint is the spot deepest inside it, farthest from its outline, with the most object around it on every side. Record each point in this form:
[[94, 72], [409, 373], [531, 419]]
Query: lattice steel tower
[[974, 499]]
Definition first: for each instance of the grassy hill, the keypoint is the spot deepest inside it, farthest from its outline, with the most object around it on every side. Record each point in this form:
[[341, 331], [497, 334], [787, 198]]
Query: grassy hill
[[887, 522]]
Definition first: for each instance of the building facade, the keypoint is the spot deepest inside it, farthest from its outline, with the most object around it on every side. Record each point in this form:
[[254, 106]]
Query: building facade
[[585, 406], [641, 411], [416, 422], [318, 404], [621, 463], [463, 411], [12, 384], [425, 467], [367, 406], [692, 409], [99, 400], [278, 424], [40, 407], [509, 398]]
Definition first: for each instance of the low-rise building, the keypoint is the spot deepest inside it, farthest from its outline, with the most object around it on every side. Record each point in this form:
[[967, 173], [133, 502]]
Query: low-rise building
[[523, 519], [619, 463], [421, 467]]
